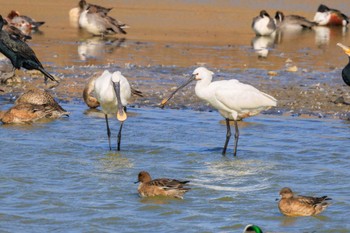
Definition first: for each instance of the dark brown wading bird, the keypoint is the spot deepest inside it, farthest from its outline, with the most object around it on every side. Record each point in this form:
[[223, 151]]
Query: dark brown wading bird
[[20, 54]]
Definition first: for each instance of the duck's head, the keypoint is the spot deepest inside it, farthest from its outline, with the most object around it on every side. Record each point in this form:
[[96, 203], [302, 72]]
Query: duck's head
[[263, 13], [323, 8], [143, 177], [252, 229], [279, 16], [286, 192]]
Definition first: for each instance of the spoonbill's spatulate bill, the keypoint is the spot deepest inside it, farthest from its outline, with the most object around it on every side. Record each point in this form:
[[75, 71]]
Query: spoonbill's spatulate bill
[[233, 99], [113, 92]]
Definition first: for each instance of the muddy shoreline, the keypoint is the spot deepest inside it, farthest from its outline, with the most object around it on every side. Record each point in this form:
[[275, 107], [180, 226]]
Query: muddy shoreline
[[319, 95], [158, 55]]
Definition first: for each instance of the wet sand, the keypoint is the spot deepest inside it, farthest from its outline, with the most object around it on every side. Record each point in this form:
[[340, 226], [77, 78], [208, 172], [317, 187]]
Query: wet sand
[[167, 40]]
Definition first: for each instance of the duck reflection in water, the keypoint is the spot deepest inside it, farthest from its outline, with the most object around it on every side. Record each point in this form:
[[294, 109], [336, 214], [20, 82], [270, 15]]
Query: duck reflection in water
[[263, 44], [97, 47]]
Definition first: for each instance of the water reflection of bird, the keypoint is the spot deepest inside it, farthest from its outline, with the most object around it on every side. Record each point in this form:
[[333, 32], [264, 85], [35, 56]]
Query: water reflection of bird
[[291, 205], [252, 229], [233, 100], [97, 47], [75, 12], [346, 71], [20, 54], [98, 23], [292, 22], [161, 186], [326, 16], [32, 106], [263, 24], [262, 45], [113, 92]]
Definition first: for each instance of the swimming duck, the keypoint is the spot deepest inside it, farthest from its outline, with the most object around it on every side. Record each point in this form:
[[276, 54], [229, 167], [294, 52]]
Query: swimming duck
[[292, 22], [161, 186], [31, 106], [326, 16], [20, 54], [252, 229], [291, 205], [28, 113], [346, 71], [24, 113], [263, 25], [99, 23]]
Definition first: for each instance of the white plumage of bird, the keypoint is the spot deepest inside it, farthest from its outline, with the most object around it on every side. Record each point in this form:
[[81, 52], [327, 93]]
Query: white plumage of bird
[[263, 24], [234, 100], [113, 92], [99, 23]]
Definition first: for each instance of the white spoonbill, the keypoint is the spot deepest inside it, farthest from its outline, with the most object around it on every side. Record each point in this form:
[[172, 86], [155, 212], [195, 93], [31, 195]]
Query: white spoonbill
[[113, 92], [233, 100]]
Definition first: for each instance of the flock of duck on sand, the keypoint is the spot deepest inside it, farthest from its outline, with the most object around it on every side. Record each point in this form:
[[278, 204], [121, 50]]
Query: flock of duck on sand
[[112, 91]]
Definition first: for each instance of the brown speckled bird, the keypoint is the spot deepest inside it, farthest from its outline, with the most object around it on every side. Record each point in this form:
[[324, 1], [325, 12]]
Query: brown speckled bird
[[291, 205], [161, 186], [31, 106]]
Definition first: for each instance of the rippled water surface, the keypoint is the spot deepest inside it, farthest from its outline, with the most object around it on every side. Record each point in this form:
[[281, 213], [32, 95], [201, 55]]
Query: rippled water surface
[[59, 176]]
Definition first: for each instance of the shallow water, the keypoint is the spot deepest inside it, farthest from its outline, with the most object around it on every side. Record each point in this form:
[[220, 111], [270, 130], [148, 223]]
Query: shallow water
[[60, 176]]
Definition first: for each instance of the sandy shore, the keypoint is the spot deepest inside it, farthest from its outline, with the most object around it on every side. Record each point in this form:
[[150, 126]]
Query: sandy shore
[[168, 39]]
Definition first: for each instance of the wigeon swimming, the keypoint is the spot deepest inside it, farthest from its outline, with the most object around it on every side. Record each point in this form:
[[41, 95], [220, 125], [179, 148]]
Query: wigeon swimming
[[291, 205], [263, 25], [326, 16], [160, 187]]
